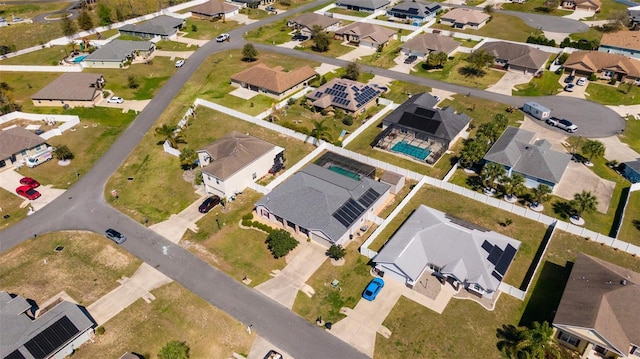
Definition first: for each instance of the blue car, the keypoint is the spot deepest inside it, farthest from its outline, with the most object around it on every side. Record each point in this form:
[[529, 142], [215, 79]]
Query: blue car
[[372, 289]]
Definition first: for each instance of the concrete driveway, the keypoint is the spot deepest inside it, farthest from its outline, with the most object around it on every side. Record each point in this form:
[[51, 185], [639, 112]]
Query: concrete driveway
[[617, 150], [579, 14], [578, 178], [401, 66], [135, 105], [357, 53], [508, 82], [173, 229], [284, 287], [546, 132], [10, 180], [324, 69], [261, 347], [578, 91]]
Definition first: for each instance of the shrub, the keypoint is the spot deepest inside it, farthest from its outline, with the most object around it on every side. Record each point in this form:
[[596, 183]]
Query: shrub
[[336, 252], [285, 2], [348, 120], [593, 77], [100, 330], [280, 243], [612, 82], [291, 101], [63, 153], [174, 350]]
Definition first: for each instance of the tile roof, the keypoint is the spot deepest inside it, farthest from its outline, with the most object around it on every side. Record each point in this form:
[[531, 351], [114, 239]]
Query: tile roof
[[517, 54], [311, 19], [379, 34], [432, 42], [312, 196], [73, 86], [415, 8], [516, 148], [274, 79], [16, 139], [366, 4], [213, 8], [466, 16], [118, 50], [596, 298], [595, 61], [621, 39], [343, 93], [162, 25], [233, 152]]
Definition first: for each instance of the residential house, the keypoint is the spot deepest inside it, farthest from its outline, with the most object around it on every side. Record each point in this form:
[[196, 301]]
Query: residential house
[[274, 82], [519, 151], [417, 121], [414, 11], [463, 18], [117, 53], [348, 95], [516, 57], [433, 243], [17, 144], [72, 89], [366, 34], [603, 65], [328, 205], [362, 5], [585, 5], [51, 333], [253, 4], [598, 314], [305, 23], [630, 170], [424, 44], [625, 43], [214, 9], [235, 161], [162, 26]]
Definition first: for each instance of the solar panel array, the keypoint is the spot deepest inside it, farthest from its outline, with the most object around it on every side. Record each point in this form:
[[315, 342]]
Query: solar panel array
[[367, 94], [368, 197], [50, 339], [348, 212], [500, 259], [15, 355], [465, 224]]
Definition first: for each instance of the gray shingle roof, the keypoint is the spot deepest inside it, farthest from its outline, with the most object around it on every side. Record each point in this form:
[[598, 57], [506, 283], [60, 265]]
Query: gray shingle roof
[[213, 8], [16, 139], [431, 42], [429, 236], [366, 4], [311, 196], [118, 50], [415, 8], [70, 87], [516, 149], [517, 54], [311, 19], [634, 165], [162, 25]]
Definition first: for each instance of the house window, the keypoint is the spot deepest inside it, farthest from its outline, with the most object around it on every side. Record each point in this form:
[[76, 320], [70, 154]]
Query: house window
[[568, 338], [635, 350], [435, 268], [217, 181], [254, 175], [609, 73]]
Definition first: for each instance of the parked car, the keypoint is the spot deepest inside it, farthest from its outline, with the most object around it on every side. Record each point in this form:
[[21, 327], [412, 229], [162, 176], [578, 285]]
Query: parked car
[[222, 37], [18, 19], [115, 99], [562, 124], [28, 192], [271, 9], [179, 63], [569, 87], [115, 236], [569, 79], [436, 97], [372, 289], [272, 354], [209, 203], [299, 37], [411, 59], [28, 181], [581, 81]]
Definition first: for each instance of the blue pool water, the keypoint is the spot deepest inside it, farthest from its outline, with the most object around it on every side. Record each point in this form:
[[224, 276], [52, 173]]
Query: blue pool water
[[413, 151], [79, 58]]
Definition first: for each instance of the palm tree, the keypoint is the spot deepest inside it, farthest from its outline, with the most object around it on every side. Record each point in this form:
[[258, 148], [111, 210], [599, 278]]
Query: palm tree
[[472, 152], [584, 202], [492, 172], [169, 133], [320, 131], [513, 185], [540, 343], [541, 194], [188, 158], [512, 341], [593, 148]]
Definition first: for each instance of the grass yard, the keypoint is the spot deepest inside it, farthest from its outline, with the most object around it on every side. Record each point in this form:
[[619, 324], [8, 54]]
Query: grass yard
[[631, 134], [11, 208], [630, 229], [518, 29], [47, 56], [87, 268], [254, 14], [451, 73], [275, 33], [397, 198], [607, 8], [480, 110], [29, 10], [385, 58], [589, 35], [167, 45], [336, 49], [206, 29], [467, 42], [338, 10], [175, 314], [545, 85], [399, 91], [23, 35], [25, 84], [105, 35], [534, 6], [622, 94]]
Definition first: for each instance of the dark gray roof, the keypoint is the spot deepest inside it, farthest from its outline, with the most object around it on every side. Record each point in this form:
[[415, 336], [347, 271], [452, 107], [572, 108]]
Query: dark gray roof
[[311, 197], [432, 42], [460, 248], [118, 50], [595, 298], [417, 113], [517, 54], [634, 165], [73, 86], [415, 8], [516, 148], [366, 4], [20, 332], [162, 25]]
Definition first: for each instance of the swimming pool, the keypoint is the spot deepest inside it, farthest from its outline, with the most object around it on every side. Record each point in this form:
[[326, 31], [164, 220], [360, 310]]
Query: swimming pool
[[345, 172], [79, 58], [413, 151]]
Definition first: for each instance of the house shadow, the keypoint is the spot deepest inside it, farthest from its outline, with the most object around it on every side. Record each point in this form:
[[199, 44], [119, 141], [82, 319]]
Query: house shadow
[[546, 295]]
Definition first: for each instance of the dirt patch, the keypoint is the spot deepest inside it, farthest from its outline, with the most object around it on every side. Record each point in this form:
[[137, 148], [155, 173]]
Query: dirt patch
[[200, 250], [112, 258]]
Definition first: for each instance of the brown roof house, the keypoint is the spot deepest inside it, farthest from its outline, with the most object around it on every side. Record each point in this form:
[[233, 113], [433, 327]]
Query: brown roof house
[[71, 90], [235, 161], [422, 45], [274, 82], [351, 96], [587, 5], [461, 18], [17, 145], [305, 23], [365, 34], [516, 57], [214, 9], [598, 314], [625, 43], [604, 65]]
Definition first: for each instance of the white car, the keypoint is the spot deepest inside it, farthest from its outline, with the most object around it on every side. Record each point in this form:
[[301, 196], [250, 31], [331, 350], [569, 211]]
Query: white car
[[179, 63], [115, 100], [581, 81], [222, 37]]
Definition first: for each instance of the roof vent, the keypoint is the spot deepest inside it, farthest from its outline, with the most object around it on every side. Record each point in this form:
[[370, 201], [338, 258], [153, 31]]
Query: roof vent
[[623, 282], [526, 148]]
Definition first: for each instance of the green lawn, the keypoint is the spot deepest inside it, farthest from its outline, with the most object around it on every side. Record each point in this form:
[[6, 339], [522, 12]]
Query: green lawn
[[621, 94], [23, 35], [609, 7], [534, 6], [518, 29], [480, 110], [631, 134], [207, 30], [24, 84], [46, 56], [342, 11], [630, 229], [399, 91], [467, 43], [545, 85], [336, 49], [385, 58], [167, 45], [275, 33], [451, 73], [589, 35], [254, 14], [105, 34], [11, 208]]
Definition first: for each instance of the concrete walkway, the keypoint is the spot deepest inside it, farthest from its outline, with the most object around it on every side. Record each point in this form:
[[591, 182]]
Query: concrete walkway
[[508, 81], [191, 42], [172, 55], [174, 228]]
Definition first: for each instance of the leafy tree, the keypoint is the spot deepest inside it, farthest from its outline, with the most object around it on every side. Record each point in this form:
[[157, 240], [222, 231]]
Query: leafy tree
[[512, 186], [584, 202], [320, 131], [174, 350], [63, 153], [352, 71], [280, 243], [478, 61], [169, 133], [472, 152], [541, 194], [436, 59], [321, 40], [348, 120], [488, 9], [492, 172], [249, 53], [188, 158], [7, 103], [593, 148], [336, 252], [512, 341], [132, 82], [85, 22], [562, 58], [540, 343], [104, 14], [68, 27], [618, 19]]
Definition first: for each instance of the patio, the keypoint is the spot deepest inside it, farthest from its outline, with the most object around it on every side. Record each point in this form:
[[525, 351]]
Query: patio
[[408, 145]]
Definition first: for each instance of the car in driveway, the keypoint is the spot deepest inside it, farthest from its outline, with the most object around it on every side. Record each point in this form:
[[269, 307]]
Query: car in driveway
[[299, 37], [28, 192], [222, 37], [271, 9], [410, 59], [562, 124], [272, 354], [581, 81], [372, 289], [209, 203], [28, 181], [179, 63], [115, 236], [569, 87], [569, 79], [115, 99]]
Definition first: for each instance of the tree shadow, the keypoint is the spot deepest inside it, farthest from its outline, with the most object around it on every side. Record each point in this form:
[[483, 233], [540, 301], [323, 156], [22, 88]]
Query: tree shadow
[[563, 209], [546, 295], [475, 182], [636, 223], [470, 71]]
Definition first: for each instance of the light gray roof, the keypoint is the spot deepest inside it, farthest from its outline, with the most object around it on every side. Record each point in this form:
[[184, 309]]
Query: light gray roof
[[311, 197], [460, 248], [366, 4], [73, 86], [162, 25], [516, 148], [118, 50], [16, 139], [311, 19], [18, 328], [415, 8], [517, 54]]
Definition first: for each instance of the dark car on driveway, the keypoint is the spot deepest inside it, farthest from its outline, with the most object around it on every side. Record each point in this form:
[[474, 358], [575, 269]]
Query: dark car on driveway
[[209, 203], [411, 59], [300, 37], [569, 79], [115, 236]]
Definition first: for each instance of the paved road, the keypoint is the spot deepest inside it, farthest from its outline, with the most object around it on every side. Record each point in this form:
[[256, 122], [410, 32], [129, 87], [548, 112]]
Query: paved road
[[72, 9]]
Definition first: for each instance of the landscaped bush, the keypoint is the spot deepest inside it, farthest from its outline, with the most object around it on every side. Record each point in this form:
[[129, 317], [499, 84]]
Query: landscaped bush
[[336, 252], [348, 120], [280, 243], [541, 40], [593, 77]]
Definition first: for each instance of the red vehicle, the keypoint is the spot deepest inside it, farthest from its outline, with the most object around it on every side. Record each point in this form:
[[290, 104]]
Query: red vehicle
[[28, 181], [27, 192]]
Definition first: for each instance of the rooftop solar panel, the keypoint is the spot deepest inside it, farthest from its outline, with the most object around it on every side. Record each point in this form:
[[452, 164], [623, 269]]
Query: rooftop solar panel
[[52, 338], [15, 355], [505, 259], [348, 212], [487, 246], [494, 255], [465, 224], [496, 275], [368, 197]]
